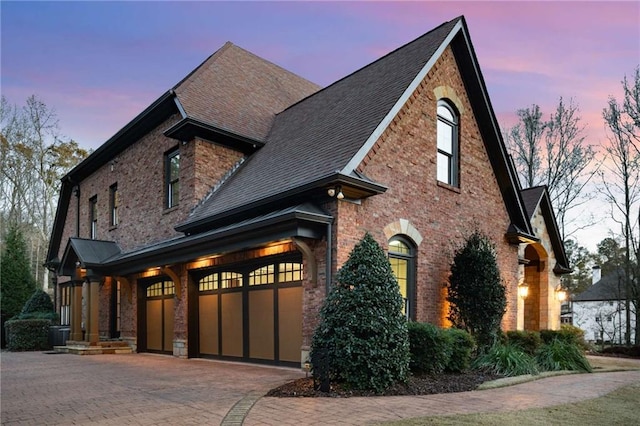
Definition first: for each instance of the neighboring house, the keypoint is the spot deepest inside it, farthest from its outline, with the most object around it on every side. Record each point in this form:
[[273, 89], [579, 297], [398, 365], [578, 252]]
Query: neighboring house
[[214, 223], [600, 310]]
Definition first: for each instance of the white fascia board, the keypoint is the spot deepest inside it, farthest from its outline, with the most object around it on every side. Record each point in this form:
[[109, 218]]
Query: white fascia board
[[366, 147]]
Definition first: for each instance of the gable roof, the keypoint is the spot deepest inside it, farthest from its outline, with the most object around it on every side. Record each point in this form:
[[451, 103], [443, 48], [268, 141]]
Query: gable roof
[[239, 92], [233, 96], [539, 197], [531, 198], [317, 141], [610, 287], [90, 253], [326, 135]]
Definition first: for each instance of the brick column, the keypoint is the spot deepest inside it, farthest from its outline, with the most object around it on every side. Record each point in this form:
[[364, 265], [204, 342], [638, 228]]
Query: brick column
[[76, 311], [93, 334]]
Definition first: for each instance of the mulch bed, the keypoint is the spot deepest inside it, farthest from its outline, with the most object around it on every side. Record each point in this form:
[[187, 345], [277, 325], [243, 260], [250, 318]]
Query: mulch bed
[[417, 385]]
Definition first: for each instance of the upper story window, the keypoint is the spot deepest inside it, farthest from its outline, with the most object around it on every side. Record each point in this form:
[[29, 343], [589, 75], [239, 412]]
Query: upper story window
[[172, 178], [448, 123], [113, 204], [93, 217]]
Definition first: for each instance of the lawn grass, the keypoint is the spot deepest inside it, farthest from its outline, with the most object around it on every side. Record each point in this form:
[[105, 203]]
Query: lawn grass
[[617, 408]]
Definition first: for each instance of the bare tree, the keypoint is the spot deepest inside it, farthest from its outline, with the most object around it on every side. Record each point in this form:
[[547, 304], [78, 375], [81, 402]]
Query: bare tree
[[33, 158], [621, 184], [554, 153], [525, 140]]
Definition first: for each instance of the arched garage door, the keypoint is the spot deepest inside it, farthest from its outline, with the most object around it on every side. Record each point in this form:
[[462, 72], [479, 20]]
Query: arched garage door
[[252, 313], [159, 313]]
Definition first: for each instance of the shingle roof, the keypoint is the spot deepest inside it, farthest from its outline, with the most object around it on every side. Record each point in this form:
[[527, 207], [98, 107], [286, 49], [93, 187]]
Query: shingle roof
[[240, 92], [538, 196], [610, 287], [531, 198], [319, 135]]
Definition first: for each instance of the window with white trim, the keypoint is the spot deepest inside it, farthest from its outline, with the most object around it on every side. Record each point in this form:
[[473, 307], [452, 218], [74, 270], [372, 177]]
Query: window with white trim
[[447, 136]]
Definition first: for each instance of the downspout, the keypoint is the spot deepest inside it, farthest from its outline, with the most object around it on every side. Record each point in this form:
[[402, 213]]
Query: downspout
[[76, 192], [329, 255]]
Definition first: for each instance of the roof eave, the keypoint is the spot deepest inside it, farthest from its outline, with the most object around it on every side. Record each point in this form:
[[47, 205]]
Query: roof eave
[[155, 113], [353, 187], [188, 128], [489, 128], [298, 224]]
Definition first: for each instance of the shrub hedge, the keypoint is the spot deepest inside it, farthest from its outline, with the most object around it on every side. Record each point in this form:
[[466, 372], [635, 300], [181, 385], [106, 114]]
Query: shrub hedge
[[27, 334], [435, 350], [528, 341], [567, 333], [631, 351], [462, 346], [430, 348]]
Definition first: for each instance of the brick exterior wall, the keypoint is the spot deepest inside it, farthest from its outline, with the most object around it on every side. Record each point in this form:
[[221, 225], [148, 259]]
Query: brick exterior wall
[[139, 172], [404, 159]]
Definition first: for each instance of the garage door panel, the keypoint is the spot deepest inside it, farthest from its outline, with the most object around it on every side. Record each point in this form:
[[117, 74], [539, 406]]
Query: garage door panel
[[231, 311], [261, 330], [168, 324], [208, 324], [290, 323], [154, 325]]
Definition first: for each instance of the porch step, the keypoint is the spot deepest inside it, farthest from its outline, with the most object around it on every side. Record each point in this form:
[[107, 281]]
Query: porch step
[[102, 347]]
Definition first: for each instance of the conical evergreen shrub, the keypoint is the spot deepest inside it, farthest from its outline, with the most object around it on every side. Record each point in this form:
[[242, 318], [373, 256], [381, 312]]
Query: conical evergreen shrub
[[476, 294], [362, 339], [16, 281]]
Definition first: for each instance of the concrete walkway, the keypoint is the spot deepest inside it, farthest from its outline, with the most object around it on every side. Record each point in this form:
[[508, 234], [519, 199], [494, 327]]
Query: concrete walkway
[[144, 389]]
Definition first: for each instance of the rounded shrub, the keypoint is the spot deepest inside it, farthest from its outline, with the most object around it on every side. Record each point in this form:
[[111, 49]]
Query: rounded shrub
[[430, 348], [528, 341], [461, 349], [361, 339], [39, 301]]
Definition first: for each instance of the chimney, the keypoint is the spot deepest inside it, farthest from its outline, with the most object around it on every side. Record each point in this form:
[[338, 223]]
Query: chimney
[[596, 274]]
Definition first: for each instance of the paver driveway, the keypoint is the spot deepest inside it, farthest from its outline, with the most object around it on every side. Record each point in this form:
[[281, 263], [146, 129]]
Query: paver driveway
[[144, 389], [136, 389]]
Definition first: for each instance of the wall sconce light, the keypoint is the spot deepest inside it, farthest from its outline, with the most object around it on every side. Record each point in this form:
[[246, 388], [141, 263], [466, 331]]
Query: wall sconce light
[[561, 294], [523, 290], [336, 191]]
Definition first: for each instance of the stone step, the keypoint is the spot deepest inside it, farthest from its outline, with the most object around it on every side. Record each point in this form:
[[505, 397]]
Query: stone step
[[93, 350]]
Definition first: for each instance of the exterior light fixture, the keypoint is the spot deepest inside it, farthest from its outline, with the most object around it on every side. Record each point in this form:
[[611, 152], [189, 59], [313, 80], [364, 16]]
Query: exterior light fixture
[[336, 191], [523, 290], [561, 294]]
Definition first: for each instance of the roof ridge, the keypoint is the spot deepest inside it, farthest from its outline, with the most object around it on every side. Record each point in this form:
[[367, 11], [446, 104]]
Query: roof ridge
[[186, 79], [370, 64]]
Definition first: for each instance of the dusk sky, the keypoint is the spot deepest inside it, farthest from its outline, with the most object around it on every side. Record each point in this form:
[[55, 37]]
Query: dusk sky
[[99, 64]]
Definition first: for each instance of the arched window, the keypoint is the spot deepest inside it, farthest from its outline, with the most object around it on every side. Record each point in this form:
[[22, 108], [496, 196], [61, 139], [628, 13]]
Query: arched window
[[447, 144], [402, 259]]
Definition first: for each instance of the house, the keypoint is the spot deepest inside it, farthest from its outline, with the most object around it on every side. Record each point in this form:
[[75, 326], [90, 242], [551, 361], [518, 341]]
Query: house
[[213, 224], [600, 310]]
